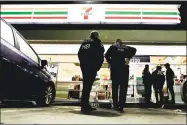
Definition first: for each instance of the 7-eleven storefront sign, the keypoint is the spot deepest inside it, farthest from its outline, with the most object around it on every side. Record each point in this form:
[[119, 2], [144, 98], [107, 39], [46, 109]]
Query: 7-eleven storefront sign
[[91, 13]]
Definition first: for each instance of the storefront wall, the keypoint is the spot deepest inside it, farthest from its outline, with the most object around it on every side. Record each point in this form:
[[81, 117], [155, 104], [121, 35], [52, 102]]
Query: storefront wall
[[68, 66]]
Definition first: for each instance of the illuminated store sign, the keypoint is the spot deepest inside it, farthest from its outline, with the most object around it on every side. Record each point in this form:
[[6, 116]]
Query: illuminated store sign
[[91, 14], [140, 59]]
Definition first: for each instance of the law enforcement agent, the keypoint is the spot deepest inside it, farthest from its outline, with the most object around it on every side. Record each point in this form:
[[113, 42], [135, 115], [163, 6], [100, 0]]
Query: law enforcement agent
[[91, 57], [118, 56], [147, 81], [170, 81]]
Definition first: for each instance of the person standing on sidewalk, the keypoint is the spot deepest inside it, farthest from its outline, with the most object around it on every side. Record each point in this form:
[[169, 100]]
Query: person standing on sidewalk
[[147, 81], [170, 81], [91, 57], [158, 79], [118, 56]]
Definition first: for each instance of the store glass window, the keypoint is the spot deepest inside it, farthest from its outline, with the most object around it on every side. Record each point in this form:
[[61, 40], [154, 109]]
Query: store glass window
[[7, 33], [26, 49]]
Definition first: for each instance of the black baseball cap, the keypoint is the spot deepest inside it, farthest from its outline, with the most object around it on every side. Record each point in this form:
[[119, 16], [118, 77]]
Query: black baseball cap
[[94, 34]]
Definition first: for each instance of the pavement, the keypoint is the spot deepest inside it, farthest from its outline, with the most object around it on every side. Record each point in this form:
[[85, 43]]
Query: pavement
[[27, 113], [107, 104], [102, 104], [72, 115]]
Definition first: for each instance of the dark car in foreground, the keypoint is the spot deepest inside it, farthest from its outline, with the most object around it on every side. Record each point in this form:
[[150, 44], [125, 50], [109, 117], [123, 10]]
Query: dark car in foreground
[[23, 75]]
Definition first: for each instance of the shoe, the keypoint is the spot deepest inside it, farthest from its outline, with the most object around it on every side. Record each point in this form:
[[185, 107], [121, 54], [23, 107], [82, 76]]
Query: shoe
[[150, 102], [115, 108], [115, 105], [120, 110], [85, 111]]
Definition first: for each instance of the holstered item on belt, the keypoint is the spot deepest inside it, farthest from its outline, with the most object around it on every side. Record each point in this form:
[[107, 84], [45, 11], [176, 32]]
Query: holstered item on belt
[[127, 60]]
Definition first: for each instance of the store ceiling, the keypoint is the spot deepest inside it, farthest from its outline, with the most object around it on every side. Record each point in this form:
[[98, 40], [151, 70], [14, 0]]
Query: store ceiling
[[107, 36], [105, 65]]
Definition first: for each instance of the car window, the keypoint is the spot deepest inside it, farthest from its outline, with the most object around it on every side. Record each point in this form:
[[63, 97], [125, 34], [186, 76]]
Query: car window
[[7, 33], [26, 49]]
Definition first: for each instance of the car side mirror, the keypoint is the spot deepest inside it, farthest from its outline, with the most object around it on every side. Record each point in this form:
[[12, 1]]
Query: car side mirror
[[44, 63]]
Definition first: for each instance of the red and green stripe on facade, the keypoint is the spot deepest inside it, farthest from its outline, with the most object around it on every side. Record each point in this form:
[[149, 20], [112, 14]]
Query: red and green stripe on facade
[[110, 13], [34, 13], [142, 13]]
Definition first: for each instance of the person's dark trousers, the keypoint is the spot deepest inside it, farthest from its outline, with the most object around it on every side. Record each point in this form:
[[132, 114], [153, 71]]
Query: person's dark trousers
[[156, 93], [147, 91], [120, 77], [158, 90], [70, 93], [171, 90], [161, 94], [88, 80]]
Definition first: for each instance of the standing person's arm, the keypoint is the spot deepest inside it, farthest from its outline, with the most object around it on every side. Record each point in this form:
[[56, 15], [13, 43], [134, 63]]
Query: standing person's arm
[[164, 79], [153, 77], [173, 74], [80, 54], [101, 55], [143, 77], [131, 51], [108, 55]]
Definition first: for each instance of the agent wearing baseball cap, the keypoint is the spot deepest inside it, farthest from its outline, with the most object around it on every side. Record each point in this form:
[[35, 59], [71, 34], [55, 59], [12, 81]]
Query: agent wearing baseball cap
[[91, 57]]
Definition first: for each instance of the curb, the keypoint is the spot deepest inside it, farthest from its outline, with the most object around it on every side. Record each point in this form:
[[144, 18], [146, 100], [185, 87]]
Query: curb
[[127, 105]]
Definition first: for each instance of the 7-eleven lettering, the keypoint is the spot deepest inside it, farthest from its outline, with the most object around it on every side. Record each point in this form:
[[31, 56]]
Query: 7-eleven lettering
[[87, 13]]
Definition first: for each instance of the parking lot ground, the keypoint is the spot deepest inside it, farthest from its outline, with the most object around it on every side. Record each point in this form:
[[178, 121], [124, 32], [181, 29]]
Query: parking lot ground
[[106, 103], [72, 115]]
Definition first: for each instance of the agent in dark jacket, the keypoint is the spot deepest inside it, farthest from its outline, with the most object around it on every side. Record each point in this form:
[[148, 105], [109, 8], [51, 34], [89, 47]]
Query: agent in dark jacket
[[158, 83], [147, 81], [91, 57], [170, 81], [118, 56]]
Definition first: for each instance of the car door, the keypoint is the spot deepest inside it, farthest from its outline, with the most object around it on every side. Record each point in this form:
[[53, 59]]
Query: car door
[[10, 61], [31, 66]]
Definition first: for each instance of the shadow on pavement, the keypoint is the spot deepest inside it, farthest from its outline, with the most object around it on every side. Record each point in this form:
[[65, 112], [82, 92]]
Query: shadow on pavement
[[17, 104], [148, 112], [99, 113]]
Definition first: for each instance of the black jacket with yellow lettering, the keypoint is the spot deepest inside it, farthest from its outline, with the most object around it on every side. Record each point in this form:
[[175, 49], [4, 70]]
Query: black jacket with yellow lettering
[[117, 55], [91, 54]]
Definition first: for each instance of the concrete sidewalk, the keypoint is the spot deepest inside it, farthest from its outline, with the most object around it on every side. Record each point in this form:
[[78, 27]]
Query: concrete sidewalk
[[107, 104], [72, 115]]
